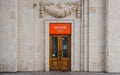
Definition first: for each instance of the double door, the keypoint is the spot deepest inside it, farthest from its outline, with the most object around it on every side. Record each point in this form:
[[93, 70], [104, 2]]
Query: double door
[[60, 52]]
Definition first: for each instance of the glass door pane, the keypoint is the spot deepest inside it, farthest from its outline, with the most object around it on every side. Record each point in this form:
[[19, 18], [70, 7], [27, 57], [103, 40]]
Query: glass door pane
[[64, 46], [55, 46]]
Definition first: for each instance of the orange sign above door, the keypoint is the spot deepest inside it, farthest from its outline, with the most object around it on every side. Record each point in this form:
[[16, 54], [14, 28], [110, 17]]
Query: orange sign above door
[[60, 28]]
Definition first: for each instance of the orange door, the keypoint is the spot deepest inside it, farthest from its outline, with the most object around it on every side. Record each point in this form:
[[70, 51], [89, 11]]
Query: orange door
[[60, 52]]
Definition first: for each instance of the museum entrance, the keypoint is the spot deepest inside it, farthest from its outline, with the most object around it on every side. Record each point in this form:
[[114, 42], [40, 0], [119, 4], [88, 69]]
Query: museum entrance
[[60, 46], [60, 52]]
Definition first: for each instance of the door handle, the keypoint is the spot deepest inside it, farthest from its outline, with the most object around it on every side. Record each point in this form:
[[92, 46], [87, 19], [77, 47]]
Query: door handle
[[60, 55], [60, 59], [60, 52]]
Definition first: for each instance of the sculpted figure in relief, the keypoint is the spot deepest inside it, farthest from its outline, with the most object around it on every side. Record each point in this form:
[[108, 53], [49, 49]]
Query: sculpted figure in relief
[[60, 10]]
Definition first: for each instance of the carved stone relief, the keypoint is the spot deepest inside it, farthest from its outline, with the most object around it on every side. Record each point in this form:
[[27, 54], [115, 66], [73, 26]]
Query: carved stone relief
[[60, 10]]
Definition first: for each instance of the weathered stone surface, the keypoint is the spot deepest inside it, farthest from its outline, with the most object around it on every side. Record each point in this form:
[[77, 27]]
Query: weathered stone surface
[[97, 35], [113, 38], [56, 73], [22, 36], [8, 50]]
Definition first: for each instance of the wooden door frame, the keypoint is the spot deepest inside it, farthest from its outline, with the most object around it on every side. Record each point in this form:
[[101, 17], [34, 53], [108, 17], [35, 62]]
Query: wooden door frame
[[48, 21]]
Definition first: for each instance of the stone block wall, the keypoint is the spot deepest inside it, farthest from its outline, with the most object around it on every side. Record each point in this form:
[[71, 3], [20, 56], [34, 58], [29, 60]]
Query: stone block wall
[[22, 36]]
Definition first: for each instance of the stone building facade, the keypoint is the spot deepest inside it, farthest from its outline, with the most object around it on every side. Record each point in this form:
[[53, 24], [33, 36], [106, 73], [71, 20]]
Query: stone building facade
[[25, 32]]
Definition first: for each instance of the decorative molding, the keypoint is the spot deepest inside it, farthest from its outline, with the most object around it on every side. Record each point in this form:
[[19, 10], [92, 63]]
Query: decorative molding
[[60, 10], [48, 21]]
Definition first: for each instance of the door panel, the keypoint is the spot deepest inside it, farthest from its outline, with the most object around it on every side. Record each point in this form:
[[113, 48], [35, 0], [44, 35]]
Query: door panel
[[54, 41], [60, 52], [65, 49]]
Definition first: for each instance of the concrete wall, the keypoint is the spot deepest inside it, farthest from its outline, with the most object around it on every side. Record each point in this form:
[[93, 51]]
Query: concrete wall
[[39, 39], [113, 42], [8, 36], [22, 36], [25, 32], [96, 35], [31, 37]]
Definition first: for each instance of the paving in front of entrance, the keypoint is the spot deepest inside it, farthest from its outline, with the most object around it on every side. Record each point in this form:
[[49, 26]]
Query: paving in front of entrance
[[58, 73]]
